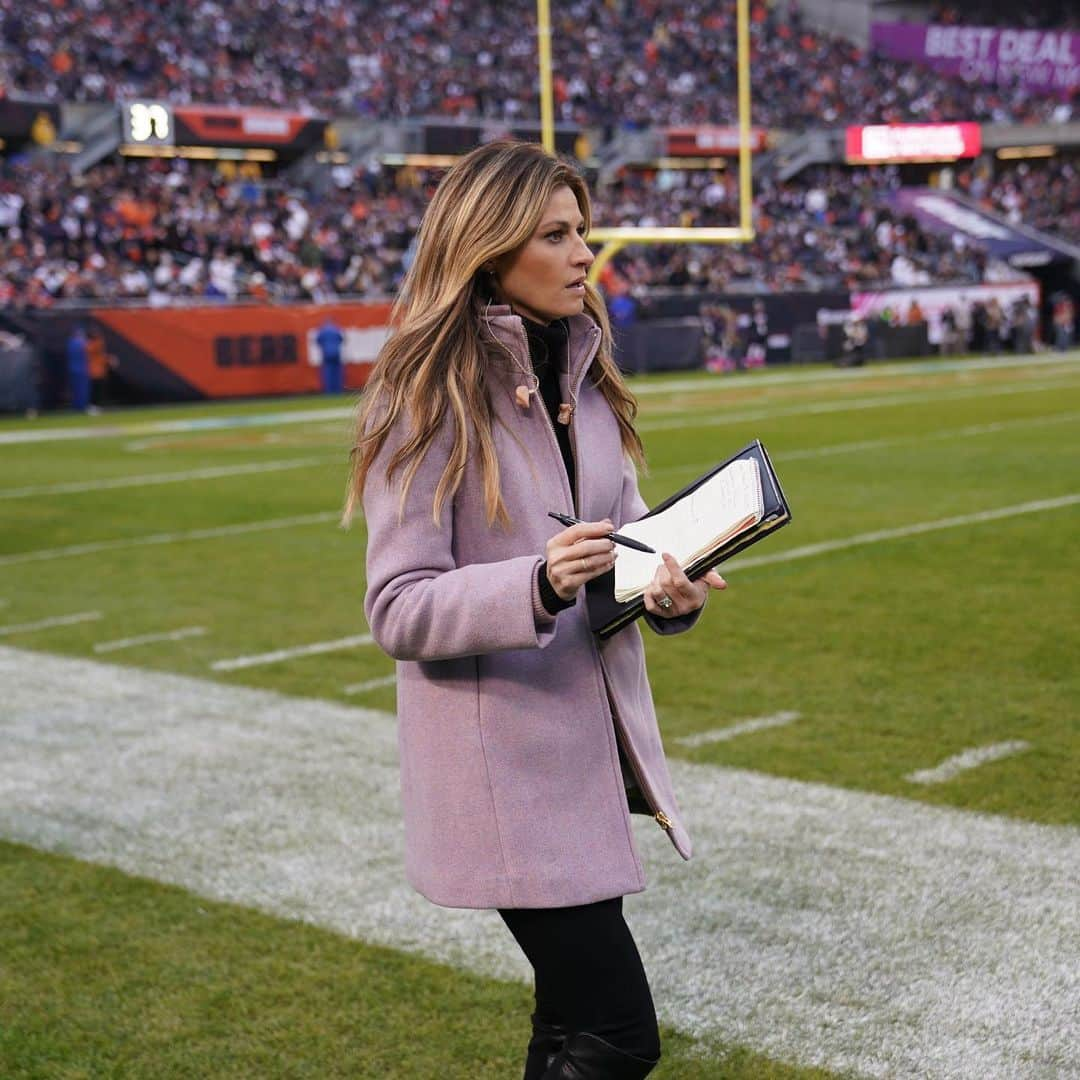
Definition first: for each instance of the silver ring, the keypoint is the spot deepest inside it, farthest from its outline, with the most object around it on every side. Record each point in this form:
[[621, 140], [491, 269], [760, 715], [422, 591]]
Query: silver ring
[[665, 602]]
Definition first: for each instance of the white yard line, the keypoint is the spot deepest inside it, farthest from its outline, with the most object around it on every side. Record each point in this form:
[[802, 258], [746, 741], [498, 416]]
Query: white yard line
[[149, 479], [901, 370], [743, 727], [72, 550], [815, 924], [915, 529], [238, 662], [147, 639], [721, 417], [967, 759], [370, 684], [126, 430], [945, 434], [48, 624]]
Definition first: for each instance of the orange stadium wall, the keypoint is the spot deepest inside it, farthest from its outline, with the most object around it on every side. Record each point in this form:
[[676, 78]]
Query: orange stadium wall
[[181, 353]]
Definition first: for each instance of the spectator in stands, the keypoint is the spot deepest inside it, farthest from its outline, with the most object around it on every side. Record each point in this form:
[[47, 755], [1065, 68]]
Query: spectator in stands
[[454, 465], [663, 62]]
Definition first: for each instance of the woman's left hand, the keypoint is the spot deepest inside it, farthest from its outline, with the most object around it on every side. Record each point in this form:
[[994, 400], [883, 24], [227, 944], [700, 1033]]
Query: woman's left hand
[[686, 596]]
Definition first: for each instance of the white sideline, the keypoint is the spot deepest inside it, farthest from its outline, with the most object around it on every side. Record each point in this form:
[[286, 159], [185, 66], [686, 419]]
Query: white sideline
[[815, 924], [238, 662], [743, 727], [370, 684], [821, 408], [967, 759], [48, 624], [148, 479], [147, 639], [977, 518], [45, 554]]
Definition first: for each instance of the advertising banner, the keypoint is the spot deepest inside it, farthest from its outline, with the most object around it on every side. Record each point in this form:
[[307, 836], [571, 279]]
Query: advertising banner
[[880, 143], [1047, 61], [219, 352], [708, 140]]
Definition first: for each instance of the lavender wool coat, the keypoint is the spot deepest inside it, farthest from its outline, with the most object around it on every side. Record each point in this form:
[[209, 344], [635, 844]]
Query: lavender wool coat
[[511, 784]]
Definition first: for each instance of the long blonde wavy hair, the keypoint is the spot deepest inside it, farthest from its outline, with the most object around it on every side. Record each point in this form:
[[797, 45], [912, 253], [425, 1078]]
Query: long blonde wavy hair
[[435, 361]]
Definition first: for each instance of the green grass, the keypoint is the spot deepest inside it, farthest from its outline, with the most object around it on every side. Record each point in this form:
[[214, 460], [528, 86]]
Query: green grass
[[896, 654], [107, 975]]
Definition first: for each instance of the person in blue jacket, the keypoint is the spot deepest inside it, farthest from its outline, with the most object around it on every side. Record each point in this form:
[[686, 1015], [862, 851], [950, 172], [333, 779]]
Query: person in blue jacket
[[330, 339], [78, 369]]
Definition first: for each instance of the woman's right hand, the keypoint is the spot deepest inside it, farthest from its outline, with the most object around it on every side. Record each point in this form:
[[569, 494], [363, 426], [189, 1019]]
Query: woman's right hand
[[579, 554]]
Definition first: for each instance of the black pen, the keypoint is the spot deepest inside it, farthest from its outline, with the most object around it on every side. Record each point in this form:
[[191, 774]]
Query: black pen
[[567, 520]]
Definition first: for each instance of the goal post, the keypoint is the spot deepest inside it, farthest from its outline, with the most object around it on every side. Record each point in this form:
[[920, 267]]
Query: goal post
[[613, 240]]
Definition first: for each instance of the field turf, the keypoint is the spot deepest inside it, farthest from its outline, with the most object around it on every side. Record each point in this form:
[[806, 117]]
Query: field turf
[[924, 602]]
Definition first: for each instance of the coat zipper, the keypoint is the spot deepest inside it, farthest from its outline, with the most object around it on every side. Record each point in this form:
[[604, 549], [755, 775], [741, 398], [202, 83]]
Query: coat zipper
[[658, 815]]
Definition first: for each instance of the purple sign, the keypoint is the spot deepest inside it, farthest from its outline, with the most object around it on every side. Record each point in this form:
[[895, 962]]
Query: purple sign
[[1044, 60]]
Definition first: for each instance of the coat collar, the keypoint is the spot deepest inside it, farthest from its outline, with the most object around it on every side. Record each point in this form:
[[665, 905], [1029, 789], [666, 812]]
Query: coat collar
[[508, 329]]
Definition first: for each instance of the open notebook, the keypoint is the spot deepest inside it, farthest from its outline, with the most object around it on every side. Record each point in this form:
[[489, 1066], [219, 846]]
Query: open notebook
[[726, 504], [723, 511]]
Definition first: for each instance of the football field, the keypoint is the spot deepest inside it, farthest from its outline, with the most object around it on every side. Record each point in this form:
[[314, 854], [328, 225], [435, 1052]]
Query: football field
[[874, 734]]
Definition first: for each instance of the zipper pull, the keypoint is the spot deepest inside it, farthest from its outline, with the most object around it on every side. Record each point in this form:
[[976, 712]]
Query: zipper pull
[[663, 821]]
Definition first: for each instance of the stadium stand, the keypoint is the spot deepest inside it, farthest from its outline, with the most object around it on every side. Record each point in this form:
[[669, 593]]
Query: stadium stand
[[615, 63], [1041, 193]]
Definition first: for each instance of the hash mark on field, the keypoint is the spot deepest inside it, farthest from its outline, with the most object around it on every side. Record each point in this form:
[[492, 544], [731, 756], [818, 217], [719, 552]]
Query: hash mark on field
[[288, 654], [45, 554], [859, 539], [146, 639], [46, 624], [370, 684], [967, 759], [743, 727]]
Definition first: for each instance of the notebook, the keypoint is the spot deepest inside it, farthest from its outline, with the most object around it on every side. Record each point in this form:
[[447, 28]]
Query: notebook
[[723, 511]]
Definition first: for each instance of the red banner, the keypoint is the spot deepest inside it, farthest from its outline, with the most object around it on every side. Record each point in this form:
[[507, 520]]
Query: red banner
[[912, 142], [221, 352], [708, 140]]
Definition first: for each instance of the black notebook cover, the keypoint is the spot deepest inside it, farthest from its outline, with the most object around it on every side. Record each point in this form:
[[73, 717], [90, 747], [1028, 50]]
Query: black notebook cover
[[607, 616]]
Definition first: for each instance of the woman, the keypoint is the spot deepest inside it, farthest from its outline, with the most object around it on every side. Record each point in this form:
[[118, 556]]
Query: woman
[[524, 740]]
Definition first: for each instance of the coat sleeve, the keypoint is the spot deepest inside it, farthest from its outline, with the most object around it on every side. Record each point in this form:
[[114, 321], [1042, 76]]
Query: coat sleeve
[[420, 604], [633, 506]]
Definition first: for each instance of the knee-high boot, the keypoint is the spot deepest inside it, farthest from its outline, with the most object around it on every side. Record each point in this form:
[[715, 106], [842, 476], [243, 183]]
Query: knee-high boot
[[588, 1057], [545, 1045]]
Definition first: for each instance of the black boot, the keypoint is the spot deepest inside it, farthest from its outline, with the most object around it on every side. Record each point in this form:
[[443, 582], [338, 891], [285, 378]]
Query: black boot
[[546, 1043], [587, 1057]]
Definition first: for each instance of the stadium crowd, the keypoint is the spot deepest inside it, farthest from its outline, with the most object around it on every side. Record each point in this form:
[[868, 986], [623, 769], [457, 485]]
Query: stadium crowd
[[161, 230], [645, 62], [1046, 15], [1044, 194]]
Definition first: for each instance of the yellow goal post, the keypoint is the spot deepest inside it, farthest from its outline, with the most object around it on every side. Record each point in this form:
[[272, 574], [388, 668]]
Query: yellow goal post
[[613, 240]]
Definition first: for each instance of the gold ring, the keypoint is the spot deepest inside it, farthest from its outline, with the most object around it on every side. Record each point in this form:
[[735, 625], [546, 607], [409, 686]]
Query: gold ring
[[584, 565]]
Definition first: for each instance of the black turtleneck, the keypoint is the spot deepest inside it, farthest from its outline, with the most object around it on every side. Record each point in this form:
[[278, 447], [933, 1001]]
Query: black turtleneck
[[548, 351]]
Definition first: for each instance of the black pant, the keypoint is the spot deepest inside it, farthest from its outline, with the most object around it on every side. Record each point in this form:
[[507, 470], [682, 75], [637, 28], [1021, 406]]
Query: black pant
[[589, 976]]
